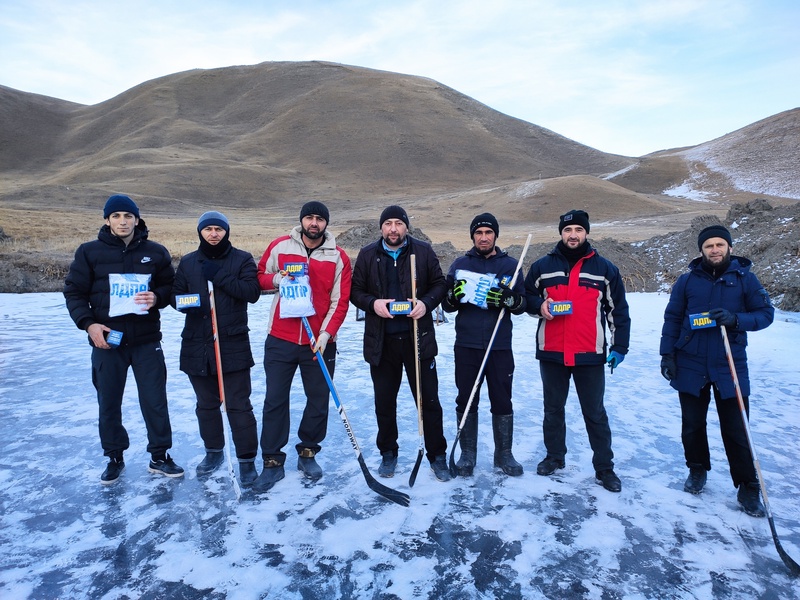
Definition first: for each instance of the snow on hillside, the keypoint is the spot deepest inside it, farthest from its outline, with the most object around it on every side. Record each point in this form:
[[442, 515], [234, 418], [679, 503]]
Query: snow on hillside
[[66, 536]]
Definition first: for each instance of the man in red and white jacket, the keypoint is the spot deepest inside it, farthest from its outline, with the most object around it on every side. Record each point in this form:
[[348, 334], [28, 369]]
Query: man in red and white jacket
[[287, 346], [577, 293]]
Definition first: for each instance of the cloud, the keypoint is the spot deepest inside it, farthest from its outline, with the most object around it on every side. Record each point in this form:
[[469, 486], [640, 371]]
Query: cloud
[[623, 76]]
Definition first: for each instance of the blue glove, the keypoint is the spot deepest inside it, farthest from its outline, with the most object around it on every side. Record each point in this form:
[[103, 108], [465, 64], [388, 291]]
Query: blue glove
[[614, 359], [723, 317], [210, 268]]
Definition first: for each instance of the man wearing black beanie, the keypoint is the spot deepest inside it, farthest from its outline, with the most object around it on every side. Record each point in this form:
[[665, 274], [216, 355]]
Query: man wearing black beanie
[[720, 287], [576, 292], [476, 319], [309, 250], [381, 276]]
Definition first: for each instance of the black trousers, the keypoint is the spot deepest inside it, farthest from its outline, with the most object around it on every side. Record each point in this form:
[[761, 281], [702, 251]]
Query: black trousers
[[109, 374], [694, 412], [590, 384], [281, 361], [240, 412], [498, 374], [398, 353]]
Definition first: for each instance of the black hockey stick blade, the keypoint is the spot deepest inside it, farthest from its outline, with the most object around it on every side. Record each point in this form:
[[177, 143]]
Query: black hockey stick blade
[[412, 480], [377, 487], [793, 567], [453, 471]]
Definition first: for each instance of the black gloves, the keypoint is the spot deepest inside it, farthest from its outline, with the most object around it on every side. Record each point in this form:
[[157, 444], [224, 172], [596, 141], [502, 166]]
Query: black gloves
[[456, 293], [668, 367], [723, 317], [502, 297], [210, 268]]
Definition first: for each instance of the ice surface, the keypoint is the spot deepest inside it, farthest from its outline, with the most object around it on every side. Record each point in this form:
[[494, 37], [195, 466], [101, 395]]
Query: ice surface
[[64, 535]]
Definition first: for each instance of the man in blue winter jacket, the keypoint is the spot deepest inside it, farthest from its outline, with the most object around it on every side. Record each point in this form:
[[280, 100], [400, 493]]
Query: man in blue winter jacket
[[478, 288], [693, 360]]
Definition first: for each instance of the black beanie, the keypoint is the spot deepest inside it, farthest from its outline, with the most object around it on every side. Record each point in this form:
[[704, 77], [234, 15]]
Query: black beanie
[[213, 217], [394, 212], [315, 208], [484, 220], [574, 217], [120, 203], [712, 232]]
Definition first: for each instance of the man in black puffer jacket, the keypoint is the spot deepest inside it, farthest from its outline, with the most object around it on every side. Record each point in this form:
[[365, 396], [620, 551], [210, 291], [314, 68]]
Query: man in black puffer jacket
[[383, 273], [114, 289], [233, 273]]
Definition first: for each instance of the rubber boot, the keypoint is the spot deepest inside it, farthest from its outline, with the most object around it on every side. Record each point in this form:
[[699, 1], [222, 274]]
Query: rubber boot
[[469, 443], [503, 429], [247, 472], [273, 472]]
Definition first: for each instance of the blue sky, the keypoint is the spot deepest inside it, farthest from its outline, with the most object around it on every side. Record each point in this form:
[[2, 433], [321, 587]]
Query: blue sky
[[623, 76]]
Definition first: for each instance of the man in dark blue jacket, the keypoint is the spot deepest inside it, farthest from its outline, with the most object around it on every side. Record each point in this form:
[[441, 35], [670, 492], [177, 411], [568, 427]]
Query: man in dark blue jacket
[[382, 274], [694, 361], [114, 290], [235, 279], [478, 288]]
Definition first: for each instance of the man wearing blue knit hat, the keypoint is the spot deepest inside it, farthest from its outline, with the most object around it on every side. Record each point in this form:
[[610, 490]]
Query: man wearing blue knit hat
[[233, 274], [114, 290]]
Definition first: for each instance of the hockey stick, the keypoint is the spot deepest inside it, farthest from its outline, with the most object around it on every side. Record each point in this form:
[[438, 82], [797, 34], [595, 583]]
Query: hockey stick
[[225, 422], [787, 560], [388, 493], [421, 453], [453, 471]]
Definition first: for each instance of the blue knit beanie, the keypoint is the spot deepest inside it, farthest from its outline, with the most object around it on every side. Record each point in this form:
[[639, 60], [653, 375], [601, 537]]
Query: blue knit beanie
[[120, 203], [213, 217]]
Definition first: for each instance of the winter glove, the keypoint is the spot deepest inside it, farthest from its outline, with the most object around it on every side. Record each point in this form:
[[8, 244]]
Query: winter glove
[[502, 297], [322, 342], [668, 367], [723, 317], [210, 268], [614, 359], [457, 292]]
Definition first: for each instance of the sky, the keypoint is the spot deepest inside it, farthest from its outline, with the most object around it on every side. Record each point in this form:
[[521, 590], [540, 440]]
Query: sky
[[64, 535], [623, 76]]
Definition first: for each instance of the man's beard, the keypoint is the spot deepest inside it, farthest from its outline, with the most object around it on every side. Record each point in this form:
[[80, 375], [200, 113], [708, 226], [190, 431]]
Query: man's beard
[[313, 235], [485, 251], [400, 240]]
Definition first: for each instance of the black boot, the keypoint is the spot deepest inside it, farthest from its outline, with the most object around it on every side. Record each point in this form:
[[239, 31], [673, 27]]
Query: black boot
[[247, 472], [696, 480], [503, 429], [750, 500], [273, 472], [210, 462], [469, 444]]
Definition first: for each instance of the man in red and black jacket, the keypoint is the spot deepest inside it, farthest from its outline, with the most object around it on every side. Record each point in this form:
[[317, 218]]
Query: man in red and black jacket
[[577, 293], [287, 346]]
